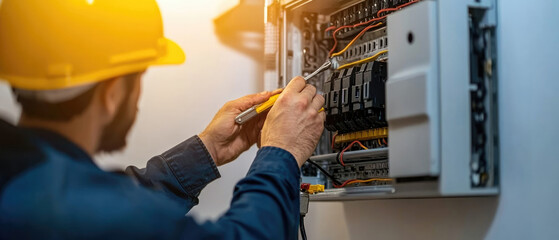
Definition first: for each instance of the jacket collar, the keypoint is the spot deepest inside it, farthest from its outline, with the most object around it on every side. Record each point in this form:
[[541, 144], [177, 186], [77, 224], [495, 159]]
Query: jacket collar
[[62, 144]]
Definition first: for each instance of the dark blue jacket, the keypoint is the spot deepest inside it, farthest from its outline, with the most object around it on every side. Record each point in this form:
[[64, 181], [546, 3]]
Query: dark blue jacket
[[51, 189]]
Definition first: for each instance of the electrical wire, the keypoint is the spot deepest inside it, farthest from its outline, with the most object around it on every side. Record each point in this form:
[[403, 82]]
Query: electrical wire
[[330, 28], [334, 139], [352, 181], [369, 59], [350, 26], [302, 227], [363, 23], [396, 8], [347, 148], [355, 39], [332, 178], [337, 184]]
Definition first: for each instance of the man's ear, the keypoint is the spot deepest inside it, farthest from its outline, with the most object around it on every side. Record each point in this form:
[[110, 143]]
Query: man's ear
[[110, 96]]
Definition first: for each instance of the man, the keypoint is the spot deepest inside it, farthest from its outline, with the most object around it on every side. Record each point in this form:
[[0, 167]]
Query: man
[[75, 67]]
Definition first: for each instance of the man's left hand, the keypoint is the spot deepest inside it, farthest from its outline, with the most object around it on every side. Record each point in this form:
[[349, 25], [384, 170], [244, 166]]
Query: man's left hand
[[225, 139]]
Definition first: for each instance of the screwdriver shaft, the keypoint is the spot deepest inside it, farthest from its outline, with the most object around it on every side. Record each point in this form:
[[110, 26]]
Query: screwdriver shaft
[[255, 110]]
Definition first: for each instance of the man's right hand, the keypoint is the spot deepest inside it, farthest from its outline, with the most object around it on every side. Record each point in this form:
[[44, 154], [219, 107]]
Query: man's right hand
[[294, 123]]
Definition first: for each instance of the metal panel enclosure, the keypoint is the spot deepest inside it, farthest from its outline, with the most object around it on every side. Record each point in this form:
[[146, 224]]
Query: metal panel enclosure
[[412, 92]]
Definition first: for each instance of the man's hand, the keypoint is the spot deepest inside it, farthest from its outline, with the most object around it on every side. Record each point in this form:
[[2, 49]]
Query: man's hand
[[224, 138], [294, 123]]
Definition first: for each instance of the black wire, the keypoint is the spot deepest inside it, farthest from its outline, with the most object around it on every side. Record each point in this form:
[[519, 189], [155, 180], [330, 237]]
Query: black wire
[[332, 178], [302, 227], [338, 158]]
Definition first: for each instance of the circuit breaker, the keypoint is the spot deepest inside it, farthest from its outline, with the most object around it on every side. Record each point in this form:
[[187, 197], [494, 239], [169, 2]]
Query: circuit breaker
[[411, 98]]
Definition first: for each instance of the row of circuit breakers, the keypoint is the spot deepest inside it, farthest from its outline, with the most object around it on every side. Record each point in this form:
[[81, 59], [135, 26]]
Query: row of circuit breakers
[[355, 98]]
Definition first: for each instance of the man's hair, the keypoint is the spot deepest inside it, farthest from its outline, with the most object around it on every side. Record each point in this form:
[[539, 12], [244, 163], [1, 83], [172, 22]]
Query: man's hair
[[64, 110]]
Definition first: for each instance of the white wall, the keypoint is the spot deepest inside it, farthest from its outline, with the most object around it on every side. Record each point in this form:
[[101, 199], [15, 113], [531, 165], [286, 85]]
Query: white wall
[[178, 102]]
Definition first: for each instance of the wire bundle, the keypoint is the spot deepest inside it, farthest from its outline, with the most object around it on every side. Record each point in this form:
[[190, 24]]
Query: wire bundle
[[355, 39], [361, 33], [352, 181], [337, 184]]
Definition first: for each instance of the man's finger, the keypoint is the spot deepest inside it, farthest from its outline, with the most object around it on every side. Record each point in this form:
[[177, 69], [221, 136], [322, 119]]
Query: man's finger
[[309, 91], [296, 85], [317, 102], [322, 115], [277, 91], [248, 101]]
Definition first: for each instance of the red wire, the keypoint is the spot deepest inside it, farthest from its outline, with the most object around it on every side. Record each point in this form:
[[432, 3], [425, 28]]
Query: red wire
[[363, 32], [350, 181], [330, 28], [334, 139], [342, 157], [365, 23], [345, 149], [350, 26], [396, 8], [344, 183]]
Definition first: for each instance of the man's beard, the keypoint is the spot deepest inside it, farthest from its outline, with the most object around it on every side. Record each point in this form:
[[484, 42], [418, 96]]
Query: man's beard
[[113, 137]]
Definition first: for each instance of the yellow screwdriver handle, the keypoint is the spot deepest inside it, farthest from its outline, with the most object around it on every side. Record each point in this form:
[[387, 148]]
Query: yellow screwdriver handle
[[268, 104], [255, 110]]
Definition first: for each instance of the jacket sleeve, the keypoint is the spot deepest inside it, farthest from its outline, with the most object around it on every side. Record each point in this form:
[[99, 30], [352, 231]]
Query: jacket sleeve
[[181, 172], [265, 203]]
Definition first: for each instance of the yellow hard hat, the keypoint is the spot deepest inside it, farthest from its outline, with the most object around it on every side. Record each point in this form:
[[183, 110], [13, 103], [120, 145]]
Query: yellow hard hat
[[58, 44]]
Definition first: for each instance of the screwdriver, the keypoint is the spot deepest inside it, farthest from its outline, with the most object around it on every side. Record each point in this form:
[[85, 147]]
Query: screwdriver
[[260, 108]]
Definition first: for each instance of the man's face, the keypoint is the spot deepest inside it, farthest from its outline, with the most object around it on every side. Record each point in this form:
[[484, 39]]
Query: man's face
[[113, 137]]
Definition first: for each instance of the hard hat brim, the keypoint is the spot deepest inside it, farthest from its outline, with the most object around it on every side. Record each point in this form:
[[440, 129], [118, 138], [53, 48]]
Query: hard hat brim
[[174, 55]]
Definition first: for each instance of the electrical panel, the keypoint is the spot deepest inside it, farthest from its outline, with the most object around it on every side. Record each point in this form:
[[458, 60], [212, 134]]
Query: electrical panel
[[411, 98]]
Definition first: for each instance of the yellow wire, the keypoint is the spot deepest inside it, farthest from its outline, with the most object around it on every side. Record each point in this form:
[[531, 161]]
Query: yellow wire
[[353, 41], [371, 58], [369, 180], [360, 144]]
